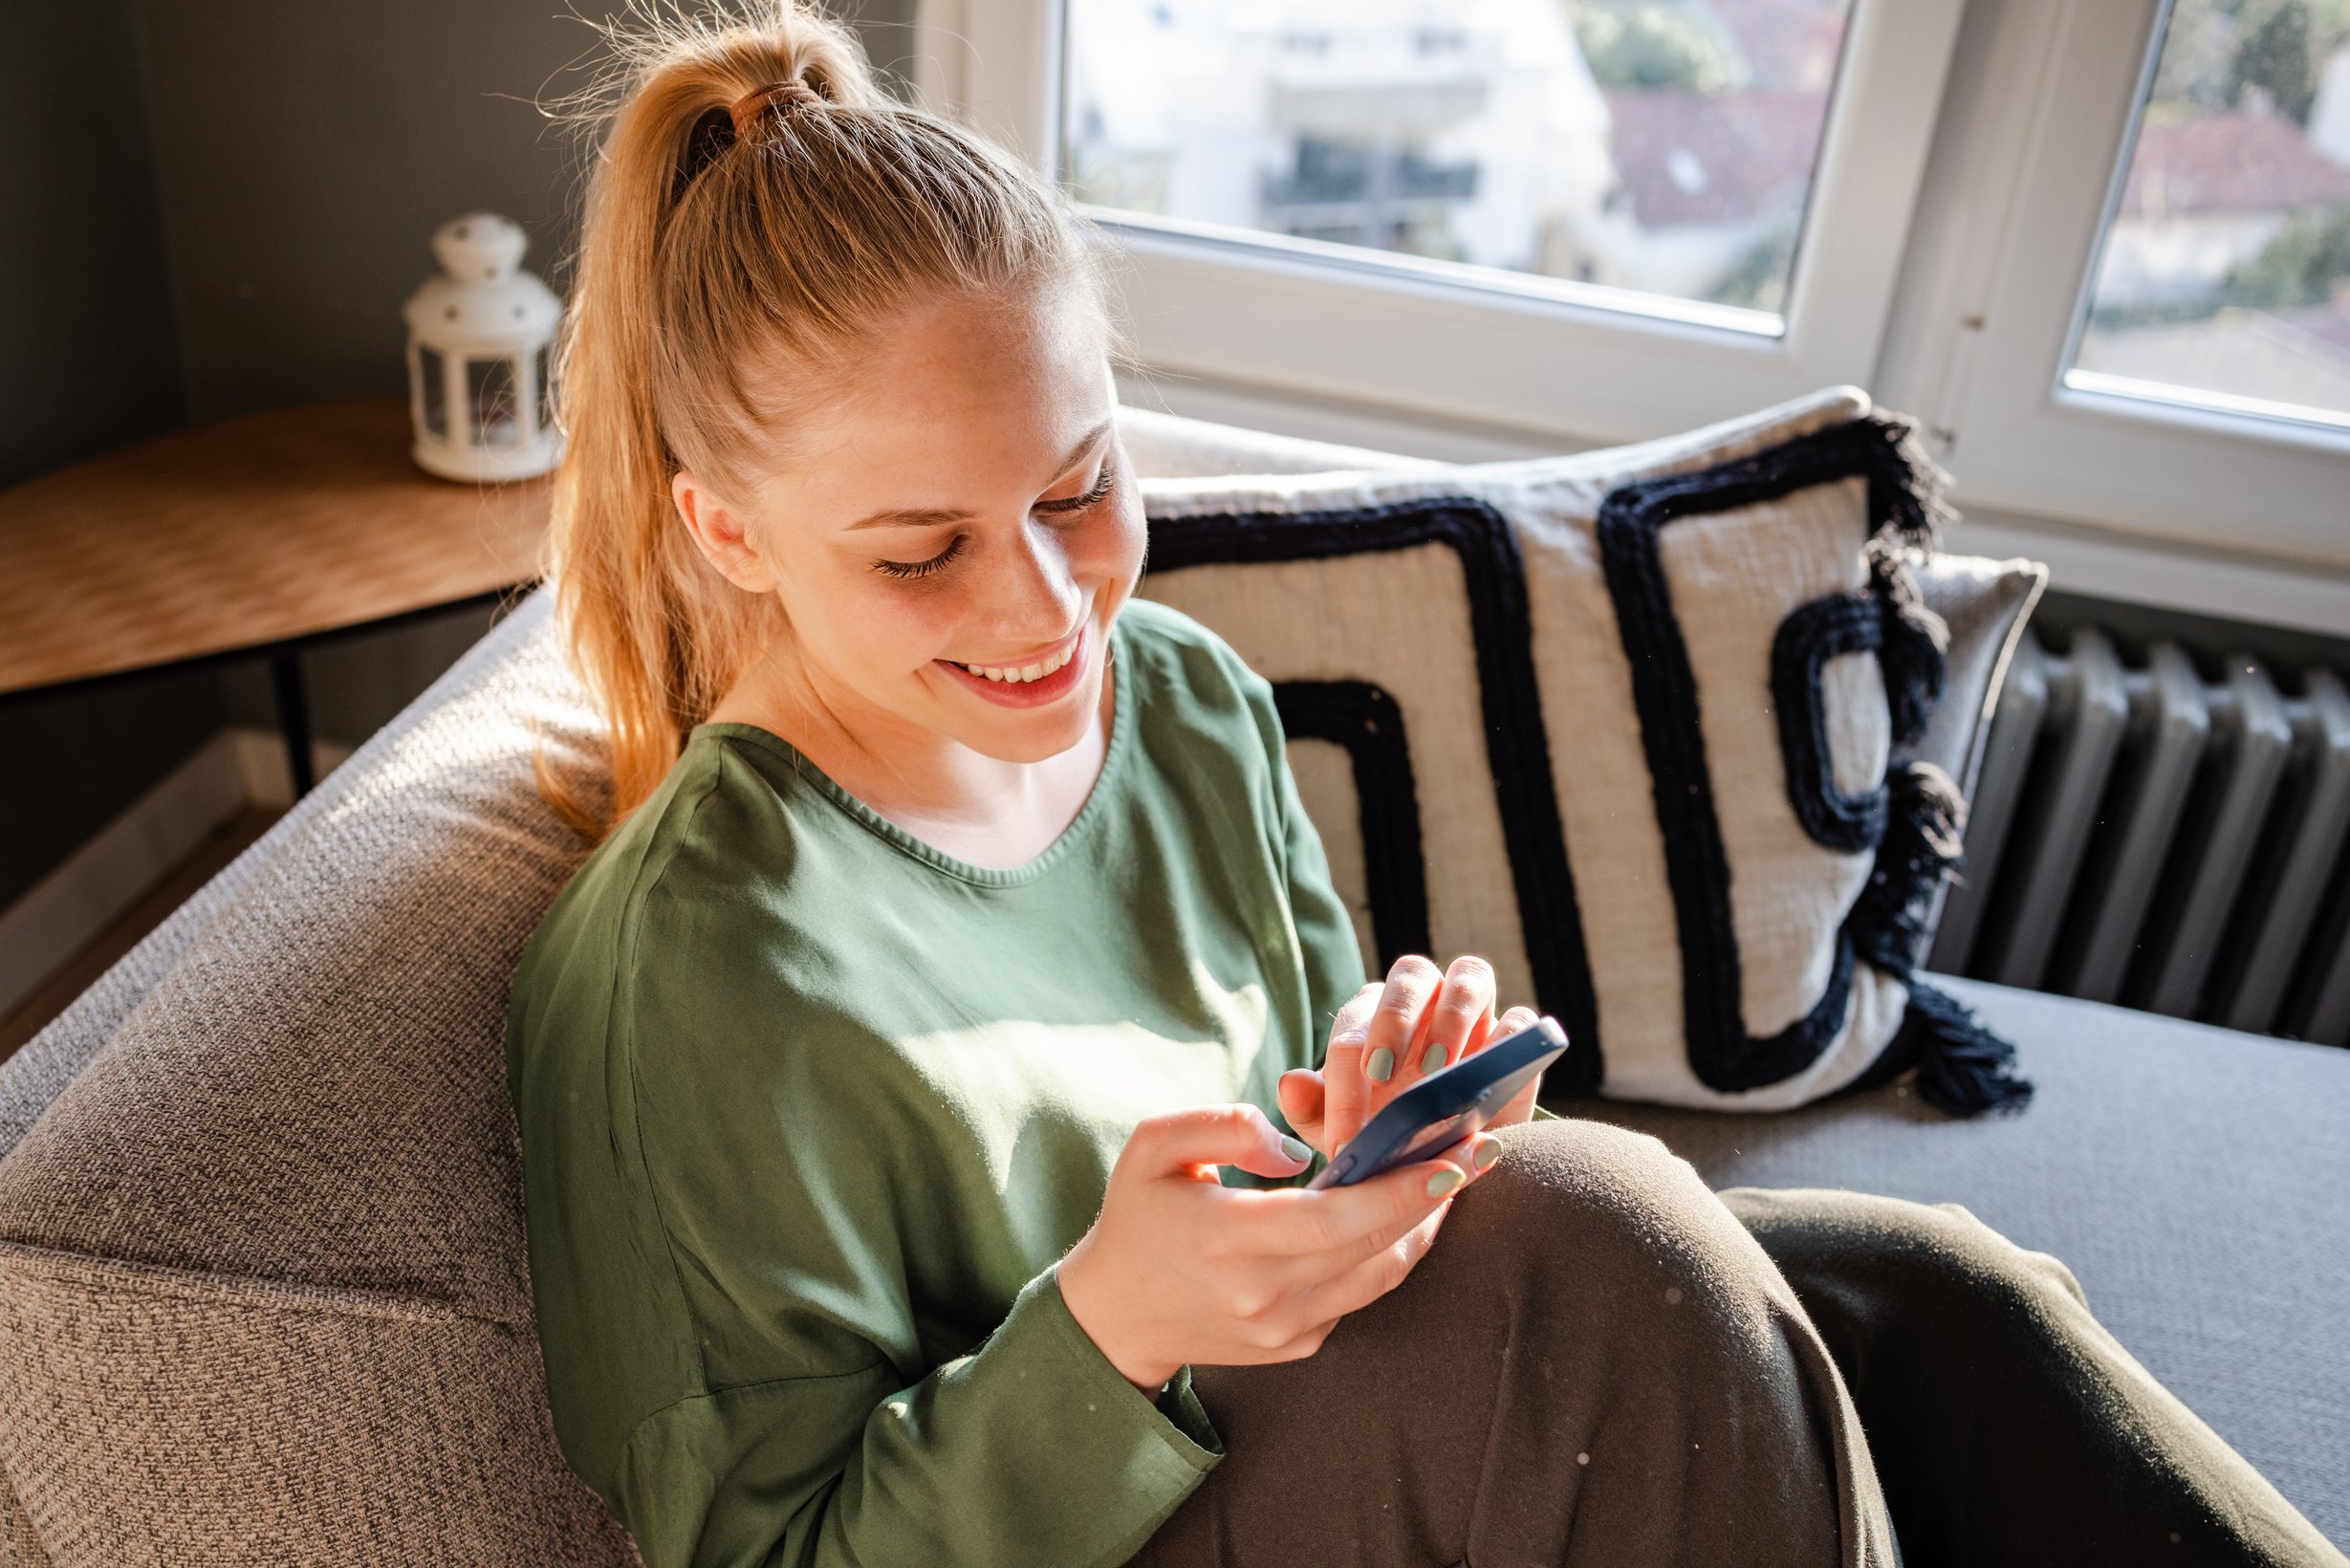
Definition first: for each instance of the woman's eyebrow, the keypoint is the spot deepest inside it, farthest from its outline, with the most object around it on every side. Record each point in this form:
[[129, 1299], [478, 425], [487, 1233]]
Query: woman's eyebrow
[[932, 516], [906, 517]]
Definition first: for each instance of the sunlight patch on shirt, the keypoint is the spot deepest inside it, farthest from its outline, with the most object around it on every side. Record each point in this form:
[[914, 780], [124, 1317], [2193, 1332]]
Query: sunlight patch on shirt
[[1013, 1080]]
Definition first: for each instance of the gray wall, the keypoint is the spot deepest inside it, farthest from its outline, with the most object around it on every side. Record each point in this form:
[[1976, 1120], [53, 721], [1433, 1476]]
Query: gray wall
[[211, 208], [87, 362], [304, 155]]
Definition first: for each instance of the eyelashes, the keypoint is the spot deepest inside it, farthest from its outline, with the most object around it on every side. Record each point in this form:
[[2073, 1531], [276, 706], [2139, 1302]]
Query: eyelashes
[[1075, 502], [921, 569], [1079, 503]]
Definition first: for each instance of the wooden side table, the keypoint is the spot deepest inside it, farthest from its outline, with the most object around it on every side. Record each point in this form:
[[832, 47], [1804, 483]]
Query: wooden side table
[[253, 538]]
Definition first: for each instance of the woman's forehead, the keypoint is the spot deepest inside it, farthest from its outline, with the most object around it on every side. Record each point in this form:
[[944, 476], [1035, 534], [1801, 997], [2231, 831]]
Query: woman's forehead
[[956, 396]]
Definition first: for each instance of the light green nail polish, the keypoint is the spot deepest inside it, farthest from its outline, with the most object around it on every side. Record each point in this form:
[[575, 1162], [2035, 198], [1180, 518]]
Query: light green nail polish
[[1445, 1181], [1296, 1148], [1489, 1150], [1381, 1067], [1433, 1060]]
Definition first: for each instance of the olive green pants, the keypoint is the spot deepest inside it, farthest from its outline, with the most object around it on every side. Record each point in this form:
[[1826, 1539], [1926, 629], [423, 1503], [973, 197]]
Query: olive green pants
[[1603, 1363]]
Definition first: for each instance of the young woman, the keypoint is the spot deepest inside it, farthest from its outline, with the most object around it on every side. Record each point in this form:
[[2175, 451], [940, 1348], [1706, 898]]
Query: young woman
[[917, 1081]]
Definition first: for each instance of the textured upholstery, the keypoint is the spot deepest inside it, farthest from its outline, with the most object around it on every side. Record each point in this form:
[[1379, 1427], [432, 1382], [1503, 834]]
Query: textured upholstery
[[19, 1546], [2197, 1182], [262, 1290]]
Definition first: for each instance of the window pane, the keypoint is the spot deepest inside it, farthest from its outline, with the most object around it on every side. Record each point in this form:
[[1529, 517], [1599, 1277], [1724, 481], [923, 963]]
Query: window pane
[[1659, 145], [2224, 272]]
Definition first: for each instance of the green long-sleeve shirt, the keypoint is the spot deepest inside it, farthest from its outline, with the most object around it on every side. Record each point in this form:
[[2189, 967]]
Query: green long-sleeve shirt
[[811, 1110]]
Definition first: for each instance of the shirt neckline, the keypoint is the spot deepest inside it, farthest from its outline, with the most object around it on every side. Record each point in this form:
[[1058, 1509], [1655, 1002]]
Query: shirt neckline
[[1084, 825]]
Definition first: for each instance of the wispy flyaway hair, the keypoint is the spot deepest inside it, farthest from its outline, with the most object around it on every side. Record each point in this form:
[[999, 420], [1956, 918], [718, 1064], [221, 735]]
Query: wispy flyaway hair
[[757, 208]]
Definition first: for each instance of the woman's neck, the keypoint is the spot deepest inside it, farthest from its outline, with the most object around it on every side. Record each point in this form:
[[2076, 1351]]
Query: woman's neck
[[977, 808]]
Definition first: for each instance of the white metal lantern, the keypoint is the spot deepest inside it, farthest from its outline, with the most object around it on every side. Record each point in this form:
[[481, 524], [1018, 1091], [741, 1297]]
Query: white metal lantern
[[480, 338]]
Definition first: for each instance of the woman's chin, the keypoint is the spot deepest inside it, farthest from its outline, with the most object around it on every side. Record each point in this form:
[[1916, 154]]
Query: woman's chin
[[1034, 734]]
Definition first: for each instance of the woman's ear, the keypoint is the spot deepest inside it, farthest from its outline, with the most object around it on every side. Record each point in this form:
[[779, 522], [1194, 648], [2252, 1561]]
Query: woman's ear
[[719, 534]]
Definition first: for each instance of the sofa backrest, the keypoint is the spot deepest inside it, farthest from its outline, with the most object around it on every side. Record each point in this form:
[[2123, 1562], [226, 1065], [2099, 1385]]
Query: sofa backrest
[[261, 1260]]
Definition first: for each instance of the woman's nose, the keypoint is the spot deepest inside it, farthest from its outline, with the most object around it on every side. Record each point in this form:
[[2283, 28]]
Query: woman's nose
[[1040, 596]]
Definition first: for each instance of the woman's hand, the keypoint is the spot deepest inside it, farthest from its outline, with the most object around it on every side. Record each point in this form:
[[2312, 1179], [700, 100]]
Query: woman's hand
[[1180, 1270], [1390, 1037]]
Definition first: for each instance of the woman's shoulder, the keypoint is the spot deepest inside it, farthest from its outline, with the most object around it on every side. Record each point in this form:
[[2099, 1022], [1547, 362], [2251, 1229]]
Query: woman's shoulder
[[1190, 662], [699, 835]]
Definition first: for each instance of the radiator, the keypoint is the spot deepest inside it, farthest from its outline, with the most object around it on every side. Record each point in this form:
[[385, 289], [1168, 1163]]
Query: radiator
[[2143, 835]]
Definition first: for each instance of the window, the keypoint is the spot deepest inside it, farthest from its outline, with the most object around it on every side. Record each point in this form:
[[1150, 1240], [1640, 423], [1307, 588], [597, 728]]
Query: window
[[2115, 298], [1582, 220], [2093, 336], [2224, 274], [1638, 145]]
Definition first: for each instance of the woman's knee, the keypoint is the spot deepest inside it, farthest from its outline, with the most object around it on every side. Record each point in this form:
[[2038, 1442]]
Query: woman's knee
[[1590, 1212], [1913, 1255]]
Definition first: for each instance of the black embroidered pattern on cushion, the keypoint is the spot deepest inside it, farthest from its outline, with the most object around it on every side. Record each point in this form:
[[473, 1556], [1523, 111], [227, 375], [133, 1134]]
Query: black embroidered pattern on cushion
[[1518, 747], [1807, 639], [1963, 1068], [1368, 721]]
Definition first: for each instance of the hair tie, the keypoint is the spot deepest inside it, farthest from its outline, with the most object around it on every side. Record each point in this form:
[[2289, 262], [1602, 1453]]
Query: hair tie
[[747, 109], [716, 130]]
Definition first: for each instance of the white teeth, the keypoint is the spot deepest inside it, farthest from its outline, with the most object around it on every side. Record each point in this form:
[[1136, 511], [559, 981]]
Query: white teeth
[[1023, 673]]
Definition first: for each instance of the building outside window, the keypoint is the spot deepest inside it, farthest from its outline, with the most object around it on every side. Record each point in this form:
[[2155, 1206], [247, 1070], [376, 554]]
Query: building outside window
[[1665, 148]]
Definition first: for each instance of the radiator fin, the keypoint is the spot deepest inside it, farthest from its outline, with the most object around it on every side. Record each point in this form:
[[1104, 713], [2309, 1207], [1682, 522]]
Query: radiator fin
[[2142, 834]]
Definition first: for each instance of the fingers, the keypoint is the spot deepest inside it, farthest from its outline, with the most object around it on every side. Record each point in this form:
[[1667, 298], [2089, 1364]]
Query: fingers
[[1520, 1107], [1338, 1225], [1516, 1020], [1346, 1093], [1325, 1289], [1191, 1143], [1366, 1280], [1400, 1021], [1462, 1015], [1300, 1094]]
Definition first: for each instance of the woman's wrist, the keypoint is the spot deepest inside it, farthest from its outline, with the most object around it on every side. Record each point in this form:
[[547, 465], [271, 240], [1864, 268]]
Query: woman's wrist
[[1075, 1272]]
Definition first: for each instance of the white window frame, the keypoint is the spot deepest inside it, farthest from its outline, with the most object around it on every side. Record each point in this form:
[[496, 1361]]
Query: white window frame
[[1570, 362], [2033, 168]]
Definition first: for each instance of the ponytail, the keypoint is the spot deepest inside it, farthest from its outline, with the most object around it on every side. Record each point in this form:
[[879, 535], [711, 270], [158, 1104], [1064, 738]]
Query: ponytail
[[757, 199]]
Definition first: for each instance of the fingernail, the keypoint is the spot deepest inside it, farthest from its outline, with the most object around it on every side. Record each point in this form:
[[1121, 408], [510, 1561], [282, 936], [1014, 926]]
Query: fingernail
[[1434, 1060], [1445, 1181], [1381, 1067], [1488, 1150], [1296, 1148]]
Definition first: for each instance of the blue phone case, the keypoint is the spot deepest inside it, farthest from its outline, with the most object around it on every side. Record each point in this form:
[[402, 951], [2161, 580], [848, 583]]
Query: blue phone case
[[1440, 1110]]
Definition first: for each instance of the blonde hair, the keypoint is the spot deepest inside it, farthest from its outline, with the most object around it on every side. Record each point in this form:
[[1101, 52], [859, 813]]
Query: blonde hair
[[756, 198]]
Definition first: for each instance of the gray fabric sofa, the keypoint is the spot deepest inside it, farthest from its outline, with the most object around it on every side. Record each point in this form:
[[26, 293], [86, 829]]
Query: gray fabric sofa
[[262, 1286]]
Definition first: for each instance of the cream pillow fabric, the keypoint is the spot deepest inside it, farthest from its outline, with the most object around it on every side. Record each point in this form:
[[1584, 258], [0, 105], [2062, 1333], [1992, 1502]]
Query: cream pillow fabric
[[1635, 724]]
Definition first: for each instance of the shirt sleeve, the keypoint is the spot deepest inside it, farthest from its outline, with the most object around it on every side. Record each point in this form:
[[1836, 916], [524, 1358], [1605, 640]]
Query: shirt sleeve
[[1032, 1450], [800, 1192]]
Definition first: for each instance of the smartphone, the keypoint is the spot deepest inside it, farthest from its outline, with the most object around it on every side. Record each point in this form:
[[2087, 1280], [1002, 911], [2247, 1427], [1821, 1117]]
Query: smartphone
[[1445, 1107]]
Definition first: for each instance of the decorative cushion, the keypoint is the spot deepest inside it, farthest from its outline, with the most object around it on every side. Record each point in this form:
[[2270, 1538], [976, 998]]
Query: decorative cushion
[[1673, 811]]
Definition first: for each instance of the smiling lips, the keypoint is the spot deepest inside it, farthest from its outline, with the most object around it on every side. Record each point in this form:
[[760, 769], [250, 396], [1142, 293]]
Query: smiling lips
[[1033, 685]]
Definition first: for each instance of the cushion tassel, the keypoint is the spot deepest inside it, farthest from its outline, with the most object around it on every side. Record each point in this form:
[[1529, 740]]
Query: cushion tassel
[[1912, 650], [1924, 813], [1907, 488], [1963, 1068]]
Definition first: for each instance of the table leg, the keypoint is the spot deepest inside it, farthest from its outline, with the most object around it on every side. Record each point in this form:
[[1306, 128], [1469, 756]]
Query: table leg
[[293, 716]]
